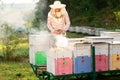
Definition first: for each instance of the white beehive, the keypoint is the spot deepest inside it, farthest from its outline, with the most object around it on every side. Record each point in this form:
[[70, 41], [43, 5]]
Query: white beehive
[[91, 31], [71, 29], [39, 42], [77, 29], [114, 35], [114, 56], [85, 29], [82, 58], [101, 56], [98, 30]]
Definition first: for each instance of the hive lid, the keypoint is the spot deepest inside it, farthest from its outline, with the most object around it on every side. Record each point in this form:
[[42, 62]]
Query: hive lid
[[115, 42], [99, 39]]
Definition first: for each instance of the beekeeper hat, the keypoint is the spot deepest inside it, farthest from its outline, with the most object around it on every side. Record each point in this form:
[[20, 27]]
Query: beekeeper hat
[[57, 4]]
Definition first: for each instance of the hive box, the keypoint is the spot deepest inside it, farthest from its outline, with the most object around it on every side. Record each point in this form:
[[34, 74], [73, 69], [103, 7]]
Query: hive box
[[101, 63], [98, 30], [114, 56], [38, 42], [82, 64], [91, 31], [101, 56], [78, 29], [114, 35], [60, 62], [82, 58]]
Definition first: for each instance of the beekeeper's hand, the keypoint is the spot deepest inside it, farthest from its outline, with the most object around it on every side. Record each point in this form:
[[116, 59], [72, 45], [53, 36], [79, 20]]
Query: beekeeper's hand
[[59, 31]]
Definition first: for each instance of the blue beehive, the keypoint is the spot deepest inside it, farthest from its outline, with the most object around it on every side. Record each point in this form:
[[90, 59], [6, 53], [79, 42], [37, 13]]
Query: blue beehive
[[82, 64]]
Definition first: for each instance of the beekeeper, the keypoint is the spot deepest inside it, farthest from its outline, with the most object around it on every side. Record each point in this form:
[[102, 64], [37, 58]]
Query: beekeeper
[[58, 20]]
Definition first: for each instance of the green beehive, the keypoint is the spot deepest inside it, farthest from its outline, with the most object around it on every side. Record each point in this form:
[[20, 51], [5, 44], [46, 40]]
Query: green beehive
[[40, 58]]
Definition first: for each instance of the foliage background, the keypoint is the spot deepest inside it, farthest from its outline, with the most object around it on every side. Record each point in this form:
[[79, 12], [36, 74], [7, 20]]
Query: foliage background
[[94, 13]]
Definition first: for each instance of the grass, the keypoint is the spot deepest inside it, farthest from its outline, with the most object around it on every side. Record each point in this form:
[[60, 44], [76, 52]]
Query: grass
[[23, 71], [74, 35], [16, 71]]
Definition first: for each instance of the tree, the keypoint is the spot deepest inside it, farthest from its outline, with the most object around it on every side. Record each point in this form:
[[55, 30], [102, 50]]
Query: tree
[[41, 14], [83, 12]]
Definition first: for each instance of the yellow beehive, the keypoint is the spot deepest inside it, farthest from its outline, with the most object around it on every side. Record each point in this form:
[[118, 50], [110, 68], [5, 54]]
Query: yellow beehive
[[115, 62]]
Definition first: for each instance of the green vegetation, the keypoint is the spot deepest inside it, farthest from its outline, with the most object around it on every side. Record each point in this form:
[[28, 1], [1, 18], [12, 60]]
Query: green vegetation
[[16, 71], [94, 13], [74, 35], [13, 44]]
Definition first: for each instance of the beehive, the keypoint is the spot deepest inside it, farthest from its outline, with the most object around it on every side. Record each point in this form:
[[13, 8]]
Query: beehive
[[38, 43], [85, 29], [98, 30], [78, 29], [71, 29], [114, 35], [91, 31], [59, 62], [82, 58], [101, 56], [115, 56]]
